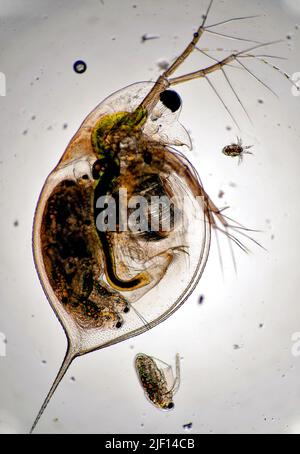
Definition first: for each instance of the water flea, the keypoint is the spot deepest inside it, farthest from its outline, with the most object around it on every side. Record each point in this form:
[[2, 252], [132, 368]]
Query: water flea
[[157, 380], [237, 149], [79, 66], [91, 274]]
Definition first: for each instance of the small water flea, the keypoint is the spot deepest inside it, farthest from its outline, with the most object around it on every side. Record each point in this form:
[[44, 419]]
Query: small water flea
[[79, 66], [237, 150], [157, 380]]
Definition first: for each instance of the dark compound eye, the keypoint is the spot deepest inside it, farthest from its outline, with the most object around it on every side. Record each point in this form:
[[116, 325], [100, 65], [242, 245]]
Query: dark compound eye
[[170, 406], [118, 325], [171, 100]]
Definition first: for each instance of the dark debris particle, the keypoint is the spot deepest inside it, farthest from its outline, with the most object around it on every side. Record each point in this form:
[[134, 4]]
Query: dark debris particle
[[163, 64], [261, 325], [25, 132], [237, 347], [228, 128], [188, 426], [79, 66], [55, 420], [65, 125], [260, 101], [73, 379], [44, 361], [221, 194], [201, 299], [16, 223], [147, 37]]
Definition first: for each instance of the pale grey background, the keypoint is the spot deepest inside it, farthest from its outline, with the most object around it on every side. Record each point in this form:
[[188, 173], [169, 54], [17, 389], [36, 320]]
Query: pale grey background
[[253, 389]]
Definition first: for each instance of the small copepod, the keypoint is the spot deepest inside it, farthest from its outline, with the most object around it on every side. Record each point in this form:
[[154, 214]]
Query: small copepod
[[122, 227], [157, 380], [237, 149]]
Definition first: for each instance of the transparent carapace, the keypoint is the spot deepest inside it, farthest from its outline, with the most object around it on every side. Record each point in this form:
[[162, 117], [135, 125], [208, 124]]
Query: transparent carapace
[[157, 380], [106, 286]]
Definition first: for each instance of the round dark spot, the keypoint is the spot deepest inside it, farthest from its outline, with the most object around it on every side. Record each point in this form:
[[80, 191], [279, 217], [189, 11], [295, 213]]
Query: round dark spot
[[87, 222], [118, 325], [64, 300], [97, 168], [170, 406], [171, 100], [147, 157], [196, 35], [126, 309], [85, 177], [79, 66]]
